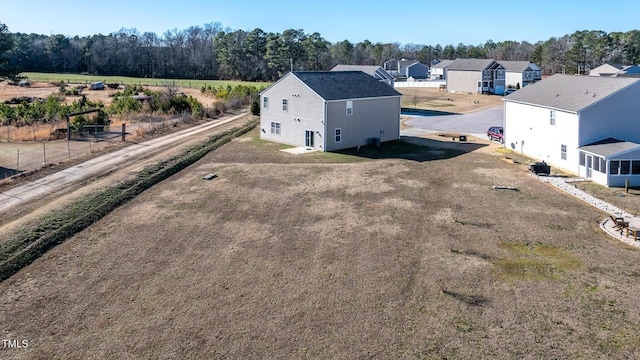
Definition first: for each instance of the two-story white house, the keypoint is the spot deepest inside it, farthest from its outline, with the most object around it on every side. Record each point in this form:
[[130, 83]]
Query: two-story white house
[[585, 125], [329, 110]]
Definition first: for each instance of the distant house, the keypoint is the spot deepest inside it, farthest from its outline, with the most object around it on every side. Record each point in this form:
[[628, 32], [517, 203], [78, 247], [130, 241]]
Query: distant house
[[391, 66], [520, 73], [606, 69], [406, 68], [586, 125], [376, 71], [329, 110], [417, 71], [483, 76], [628, 71], [438, 70], [403, 65]]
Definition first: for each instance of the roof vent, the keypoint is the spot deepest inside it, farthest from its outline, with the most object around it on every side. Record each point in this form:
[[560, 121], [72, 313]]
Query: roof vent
[[586, 91], [557, 94], [594, 94]]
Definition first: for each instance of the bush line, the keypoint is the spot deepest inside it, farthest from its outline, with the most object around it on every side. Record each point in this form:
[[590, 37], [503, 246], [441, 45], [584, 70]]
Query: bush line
[[25, 246]]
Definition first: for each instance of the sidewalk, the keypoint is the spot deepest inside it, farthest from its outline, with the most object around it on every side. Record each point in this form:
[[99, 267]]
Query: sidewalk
[[566, 185]]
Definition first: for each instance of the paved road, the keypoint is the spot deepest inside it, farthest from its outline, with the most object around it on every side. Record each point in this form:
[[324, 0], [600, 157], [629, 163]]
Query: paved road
[[475, 123], [98, 165]]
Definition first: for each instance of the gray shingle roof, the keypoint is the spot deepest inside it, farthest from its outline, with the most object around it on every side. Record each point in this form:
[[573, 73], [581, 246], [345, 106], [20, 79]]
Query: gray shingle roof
[[470, 64], [609, 147], [367, 69], [569, 92], [443, 64], [339, 85], [516, 66]]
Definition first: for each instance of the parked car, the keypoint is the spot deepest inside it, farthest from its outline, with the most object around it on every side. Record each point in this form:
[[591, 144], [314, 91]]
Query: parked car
[[509, 91], [496, 133]]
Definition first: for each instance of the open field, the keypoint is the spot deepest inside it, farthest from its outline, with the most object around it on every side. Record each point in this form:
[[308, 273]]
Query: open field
[[400, 252], [86, 79], [44, 89]]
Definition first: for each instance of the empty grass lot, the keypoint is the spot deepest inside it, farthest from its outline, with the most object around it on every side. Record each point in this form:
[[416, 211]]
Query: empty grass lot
[[400, 252]]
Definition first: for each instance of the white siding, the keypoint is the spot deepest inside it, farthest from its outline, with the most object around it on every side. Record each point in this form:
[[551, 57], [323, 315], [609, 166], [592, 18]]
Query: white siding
[[617, 116], [528, 130], [513, 78], [305, 112]]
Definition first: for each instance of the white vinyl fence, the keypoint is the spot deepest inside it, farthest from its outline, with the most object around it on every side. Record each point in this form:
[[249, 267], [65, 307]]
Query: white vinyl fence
[[420, 84]]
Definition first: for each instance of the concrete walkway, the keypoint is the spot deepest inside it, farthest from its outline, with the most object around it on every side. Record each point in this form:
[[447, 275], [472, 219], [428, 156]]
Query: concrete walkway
[[567, 185]]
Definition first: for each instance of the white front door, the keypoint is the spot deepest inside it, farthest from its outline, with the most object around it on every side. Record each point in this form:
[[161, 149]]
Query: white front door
[[589, 165]]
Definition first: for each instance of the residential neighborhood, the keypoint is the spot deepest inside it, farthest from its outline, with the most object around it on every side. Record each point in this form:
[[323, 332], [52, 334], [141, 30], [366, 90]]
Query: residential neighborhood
[[330, 180]]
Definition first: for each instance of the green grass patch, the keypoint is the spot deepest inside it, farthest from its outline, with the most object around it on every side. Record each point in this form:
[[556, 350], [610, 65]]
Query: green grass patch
[[87, 79], [537, 262]]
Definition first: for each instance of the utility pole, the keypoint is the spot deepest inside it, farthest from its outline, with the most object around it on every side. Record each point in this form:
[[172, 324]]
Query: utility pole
[[291, 62]]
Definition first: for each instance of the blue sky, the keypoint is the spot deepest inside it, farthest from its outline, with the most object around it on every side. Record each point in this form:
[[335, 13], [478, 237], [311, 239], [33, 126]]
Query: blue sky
[[471, 22]]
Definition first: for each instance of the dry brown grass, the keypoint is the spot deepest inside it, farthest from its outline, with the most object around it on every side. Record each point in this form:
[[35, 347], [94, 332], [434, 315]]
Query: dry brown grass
[[410, 255], [433, 99]]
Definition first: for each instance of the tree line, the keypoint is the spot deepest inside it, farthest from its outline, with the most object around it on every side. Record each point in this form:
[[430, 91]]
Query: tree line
[[215, 52]]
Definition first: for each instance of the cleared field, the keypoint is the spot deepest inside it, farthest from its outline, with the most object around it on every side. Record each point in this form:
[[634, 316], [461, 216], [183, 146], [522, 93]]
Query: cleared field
[[86, 79], [401, 252]]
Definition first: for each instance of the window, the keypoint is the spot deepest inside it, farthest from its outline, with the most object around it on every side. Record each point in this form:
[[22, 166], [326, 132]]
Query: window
[[338, 135], [635, 167], [285, 104], [563, 152], [275, 128], [625, 167], [349, 107], [265, 102], [614, 166], [552, 118], [583, 160], [596, 163]]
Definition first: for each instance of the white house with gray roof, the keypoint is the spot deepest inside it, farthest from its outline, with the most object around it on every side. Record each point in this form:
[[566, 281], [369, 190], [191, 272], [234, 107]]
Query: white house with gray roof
[[438, 70], [585, 125], [329, 110], [606, 69]]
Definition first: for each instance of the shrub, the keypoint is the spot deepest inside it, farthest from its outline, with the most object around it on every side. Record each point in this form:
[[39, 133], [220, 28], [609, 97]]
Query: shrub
[[255, 107]]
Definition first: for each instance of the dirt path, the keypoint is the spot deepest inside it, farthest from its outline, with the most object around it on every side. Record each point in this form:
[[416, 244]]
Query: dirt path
[[32, 198]]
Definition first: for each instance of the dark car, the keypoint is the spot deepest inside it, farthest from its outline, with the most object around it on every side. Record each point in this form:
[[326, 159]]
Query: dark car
[[496, 133]]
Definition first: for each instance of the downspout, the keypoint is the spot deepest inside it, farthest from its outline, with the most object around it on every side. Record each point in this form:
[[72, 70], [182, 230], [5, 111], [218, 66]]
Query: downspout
[[324, 136], [399, 113]]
